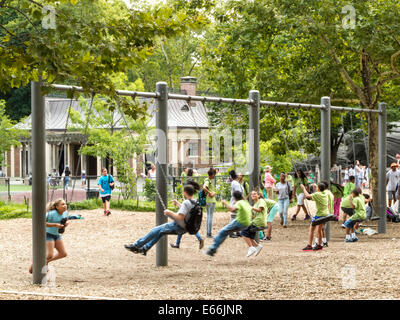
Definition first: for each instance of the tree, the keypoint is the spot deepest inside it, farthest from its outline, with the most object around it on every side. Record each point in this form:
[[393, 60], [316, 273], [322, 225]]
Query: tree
[[102, 136], [85, 42], [9, 134], [365, 52]]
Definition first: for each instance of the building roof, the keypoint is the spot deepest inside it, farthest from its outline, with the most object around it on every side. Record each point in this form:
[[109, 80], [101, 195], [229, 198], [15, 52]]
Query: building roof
[[57, 112]]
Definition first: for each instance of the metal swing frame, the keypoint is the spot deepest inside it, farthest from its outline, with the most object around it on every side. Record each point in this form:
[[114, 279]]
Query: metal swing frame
[[161, 95]]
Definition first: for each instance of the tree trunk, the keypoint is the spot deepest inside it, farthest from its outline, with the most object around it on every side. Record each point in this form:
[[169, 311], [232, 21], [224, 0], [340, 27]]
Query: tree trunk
[[373, 157]]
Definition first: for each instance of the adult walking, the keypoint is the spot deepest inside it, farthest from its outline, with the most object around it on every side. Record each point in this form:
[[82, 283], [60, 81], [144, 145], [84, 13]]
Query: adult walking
[[300, 179], [283, 189], [269, 182], [106, 184], [67, 173], [209, 187]]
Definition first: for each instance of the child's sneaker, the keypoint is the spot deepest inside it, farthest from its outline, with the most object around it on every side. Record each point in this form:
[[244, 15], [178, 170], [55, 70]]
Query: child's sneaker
[[132, 248], [307, 218], [355, 239], [108, 212], [267, 239], [325, 244], [209, 252], [308, 248], [317, 248], [258, 249], [251, 251], [348, 240], [143, 251], [293, 218], [173, 245], [201, 244]]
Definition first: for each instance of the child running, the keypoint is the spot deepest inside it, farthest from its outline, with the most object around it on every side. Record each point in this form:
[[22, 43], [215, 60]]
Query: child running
[[176, 227], [56, 212], [259, 217], [358, 205], [242, 220], [321, 199], [106, 185]]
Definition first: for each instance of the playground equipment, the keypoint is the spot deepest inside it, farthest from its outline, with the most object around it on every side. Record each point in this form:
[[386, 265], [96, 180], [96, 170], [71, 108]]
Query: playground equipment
[[161, 95]]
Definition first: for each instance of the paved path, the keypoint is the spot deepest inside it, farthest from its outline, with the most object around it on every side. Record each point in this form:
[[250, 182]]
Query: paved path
[[20, 196]]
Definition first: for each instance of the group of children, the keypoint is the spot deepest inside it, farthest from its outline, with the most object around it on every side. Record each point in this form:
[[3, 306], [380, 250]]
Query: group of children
[[246, 219]]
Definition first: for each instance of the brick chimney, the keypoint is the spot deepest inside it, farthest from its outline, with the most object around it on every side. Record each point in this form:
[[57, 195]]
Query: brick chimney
[[188, 85]]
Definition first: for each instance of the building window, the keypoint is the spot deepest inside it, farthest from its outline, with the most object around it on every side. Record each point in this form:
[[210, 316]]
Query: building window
[[193, 149]]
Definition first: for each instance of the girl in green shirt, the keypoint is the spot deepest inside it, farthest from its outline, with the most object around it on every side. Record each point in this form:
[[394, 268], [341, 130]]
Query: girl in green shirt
[[259, 211], [321, 199], [357, 202]]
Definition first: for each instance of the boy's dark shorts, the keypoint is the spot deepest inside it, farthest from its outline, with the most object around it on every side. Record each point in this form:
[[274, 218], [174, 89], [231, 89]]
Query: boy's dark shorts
[[348, 211], [249, 232], [106, 198]]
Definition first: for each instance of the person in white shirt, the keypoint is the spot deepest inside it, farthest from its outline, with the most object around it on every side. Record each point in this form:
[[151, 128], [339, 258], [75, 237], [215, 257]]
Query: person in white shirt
[[358, 173], [235, 186], [151, 174], [346, 175], [392, 179]]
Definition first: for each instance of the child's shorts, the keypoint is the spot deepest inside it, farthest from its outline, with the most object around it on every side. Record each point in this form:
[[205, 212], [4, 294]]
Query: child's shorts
[[316, 218], [391, 195], [350, 223], [348, 211], [106, 198], [52, 237], [249, 232], [300, 199], [272, 213]]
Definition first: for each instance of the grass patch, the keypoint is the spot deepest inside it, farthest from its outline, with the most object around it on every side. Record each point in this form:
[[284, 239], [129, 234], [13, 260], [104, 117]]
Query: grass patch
[[14, 211], [125, 205]]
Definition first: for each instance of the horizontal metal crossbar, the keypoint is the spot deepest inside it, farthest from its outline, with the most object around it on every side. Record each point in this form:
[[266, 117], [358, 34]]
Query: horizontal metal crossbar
[[222, 100]]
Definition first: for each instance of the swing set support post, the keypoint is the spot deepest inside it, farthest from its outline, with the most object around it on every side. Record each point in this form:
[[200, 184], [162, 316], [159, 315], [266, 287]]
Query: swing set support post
[[254, 143], [161, 167], [382, 141], [326, 147], [39, 184]]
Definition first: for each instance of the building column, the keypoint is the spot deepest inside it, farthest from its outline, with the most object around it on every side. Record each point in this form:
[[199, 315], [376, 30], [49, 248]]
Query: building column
[[99, 166], [23, 160], [12, 159]]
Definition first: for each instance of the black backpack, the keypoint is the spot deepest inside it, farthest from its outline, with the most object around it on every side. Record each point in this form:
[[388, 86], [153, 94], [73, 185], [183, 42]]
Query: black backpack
[[193, 218]]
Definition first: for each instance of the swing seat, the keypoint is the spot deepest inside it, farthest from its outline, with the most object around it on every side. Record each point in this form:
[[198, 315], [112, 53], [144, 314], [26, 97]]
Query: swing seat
[[331, 217]]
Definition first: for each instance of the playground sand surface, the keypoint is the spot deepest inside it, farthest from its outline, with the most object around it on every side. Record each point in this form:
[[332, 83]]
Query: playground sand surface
[[97, 264]]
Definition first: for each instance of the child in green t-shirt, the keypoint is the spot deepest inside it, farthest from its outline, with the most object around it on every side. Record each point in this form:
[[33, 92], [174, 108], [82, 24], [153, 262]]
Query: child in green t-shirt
[[357, 202], [242, 220], [259, 221], [321, 199]]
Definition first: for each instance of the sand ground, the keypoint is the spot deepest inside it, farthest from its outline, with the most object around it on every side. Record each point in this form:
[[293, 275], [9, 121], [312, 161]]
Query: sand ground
[[98, 265]]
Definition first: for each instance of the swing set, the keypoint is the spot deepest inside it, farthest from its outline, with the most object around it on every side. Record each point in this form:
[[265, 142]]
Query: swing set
[[161, 97]]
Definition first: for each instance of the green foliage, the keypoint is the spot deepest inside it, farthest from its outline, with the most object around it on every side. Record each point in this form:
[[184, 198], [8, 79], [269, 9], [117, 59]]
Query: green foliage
[[18, 102], [8, 133], [92, 40], [14, 211], [149, 189], [101, 125]]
